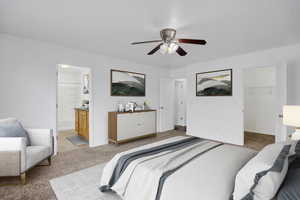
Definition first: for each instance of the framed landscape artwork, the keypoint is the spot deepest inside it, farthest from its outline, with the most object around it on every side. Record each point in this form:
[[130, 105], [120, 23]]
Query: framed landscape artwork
[[214, 83], [124, 83]]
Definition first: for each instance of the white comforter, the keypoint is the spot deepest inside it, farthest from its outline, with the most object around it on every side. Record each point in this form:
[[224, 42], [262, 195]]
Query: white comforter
[[208, 177]]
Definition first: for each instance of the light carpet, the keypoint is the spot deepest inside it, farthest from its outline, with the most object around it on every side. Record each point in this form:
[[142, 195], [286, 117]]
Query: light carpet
[[81, 185]]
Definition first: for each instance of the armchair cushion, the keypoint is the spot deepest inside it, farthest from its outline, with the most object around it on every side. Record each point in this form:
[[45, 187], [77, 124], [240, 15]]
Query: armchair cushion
[[35, 154], [13, 128]]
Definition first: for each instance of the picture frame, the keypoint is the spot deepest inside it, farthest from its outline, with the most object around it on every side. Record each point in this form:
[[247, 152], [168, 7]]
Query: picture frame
[[126, 83], [214, 83]]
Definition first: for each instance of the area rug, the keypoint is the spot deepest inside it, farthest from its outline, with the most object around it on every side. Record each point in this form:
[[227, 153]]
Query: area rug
[[81, 185], [77, 140]]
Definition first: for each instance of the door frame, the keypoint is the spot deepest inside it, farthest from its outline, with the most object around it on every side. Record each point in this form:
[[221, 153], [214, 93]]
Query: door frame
[[160, 114], [282, 68], [91, 107]]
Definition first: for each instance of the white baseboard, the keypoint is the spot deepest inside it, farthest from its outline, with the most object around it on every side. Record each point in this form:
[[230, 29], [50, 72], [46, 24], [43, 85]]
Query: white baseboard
[[259, 132]]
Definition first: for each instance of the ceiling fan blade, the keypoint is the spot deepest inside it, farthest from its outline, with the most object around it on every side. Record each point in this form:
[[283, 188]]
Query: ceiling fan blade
[[144, 42], [155, 49], [192, 41], [181, 52]]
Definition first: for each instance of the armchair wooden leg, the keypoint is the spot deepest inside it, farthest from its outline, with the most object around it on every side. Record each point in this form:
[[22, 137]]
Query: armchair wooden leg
[[49, 160], [23, 178]]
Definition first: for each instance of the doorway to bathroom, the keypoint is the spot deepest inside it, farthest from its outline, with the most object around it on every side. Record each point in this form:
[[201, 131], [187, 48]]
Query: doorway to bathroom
[[73, 107], [172, 108]]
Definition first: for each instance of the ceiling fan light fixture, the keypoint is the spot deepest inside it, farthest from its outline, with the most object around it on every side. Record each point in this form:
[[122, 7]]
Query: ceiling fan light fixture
[[163, 48], [169, 43], [172, 48], [168, 48]]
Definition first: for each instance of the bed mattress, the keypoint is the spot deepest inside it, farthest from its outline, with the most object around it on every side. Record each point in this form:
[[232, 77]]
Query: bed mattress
[[175, 169]]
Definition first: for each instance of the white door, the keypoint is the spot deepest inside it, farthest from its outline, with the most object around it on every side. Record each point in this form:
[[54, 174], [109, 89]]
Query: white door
[[166, 108], [281, 95], [180, 103]]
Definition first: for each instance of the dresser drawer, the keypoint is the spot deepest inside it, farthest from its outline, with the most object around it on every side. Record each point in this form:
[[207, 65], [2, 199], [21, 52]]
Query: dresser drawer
[[147, 123], [125, 127], [128, 125], [131, 125]]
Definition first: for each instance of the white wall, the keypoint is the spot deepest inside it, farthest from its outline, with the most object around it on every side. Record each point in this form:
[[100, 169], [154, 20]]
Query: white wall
[[221, 118], [28, 82], [28, 86], [260, 100]]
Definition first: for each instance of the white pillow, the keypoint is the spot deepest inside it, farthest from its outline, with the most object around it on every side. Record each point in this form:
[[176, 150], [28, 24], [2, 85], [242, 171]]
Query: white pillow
[[262, 176]]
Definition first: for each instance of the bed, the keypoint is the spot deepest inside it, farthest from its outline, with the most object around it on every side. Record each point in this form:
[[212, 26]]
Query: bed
[[176, 168]]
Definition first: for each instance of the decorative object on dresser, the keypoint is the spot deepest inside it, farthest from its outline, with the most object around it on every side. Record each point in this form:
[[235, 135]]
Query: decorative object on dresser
[[291, 117], [125, 83], [128, 126], [214, 83], [82, 123], [131, 107]]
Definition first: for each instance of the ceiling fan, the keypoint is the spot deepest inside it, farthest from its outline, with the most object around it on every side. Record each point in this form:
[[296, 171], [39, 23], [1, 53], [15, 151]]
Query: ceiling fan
[[169, 44]]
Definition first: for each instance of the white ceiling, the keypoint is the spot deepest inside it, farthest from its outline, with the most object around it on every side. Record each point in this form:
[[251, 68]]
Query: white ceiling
[[108, 27]]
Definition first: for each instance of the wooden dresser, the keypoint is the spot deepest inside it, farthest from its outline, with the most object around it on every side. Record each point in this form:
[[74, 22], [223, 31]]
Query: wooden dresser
[[82, 123], [128, 126]]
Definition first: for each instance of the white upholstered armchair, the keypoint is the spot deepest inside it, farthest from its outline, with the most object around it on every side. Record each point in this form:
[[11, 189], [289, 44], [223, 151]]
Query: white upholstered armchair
[[16, 158]]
